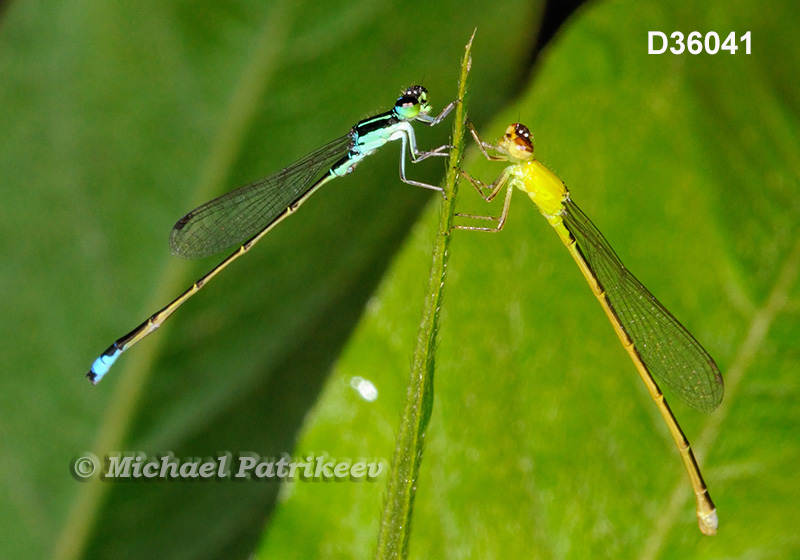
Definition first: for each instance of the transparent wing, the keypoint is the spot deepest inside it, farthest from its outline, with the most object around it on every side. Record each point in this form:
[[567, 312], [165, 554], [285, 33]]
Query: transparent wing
[[667, 349], [235, 217]]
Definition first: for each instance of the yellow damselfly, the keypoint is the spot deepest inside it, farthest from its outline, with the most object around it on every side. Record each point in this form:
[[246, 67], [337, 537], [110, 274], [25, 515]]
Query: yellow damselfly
[[658, 344]]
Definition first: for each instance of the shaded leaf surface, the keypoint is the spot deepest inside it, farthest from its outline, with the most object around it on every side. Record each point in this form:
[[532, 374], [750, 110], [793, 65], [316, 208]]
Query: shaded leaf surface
[[116, 120]]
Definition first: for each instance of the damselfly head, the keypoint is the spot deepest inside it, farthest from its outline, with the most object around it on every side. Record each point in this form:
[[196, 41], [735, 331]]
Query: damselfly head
[[412, 103], [518, 142]]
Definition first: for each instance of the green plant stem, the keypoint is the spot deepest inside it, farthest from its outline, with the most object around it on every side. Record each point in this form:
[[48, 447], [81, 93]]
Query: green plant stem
[[395, 528]]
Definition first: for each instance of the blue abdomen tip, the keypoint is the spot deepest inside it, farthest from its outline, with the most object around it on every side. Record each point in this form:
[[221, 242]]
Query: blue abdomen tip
[[101, 366]]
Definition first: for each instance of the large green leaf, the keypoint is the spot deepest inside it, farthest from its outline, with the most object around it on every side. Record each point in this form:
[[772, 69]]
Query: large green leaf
[[117, 118], [543, 442]]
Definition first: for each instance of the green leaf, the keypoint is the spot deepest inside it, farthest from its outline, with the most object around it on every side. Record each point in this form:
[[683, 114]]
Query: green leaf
[[543, 442], [116, 119]]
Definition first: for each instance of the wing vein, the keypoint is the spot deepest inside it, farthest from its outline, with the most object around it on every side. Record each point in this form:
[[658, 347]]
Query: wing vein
[[238, 215], [668, 351]]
